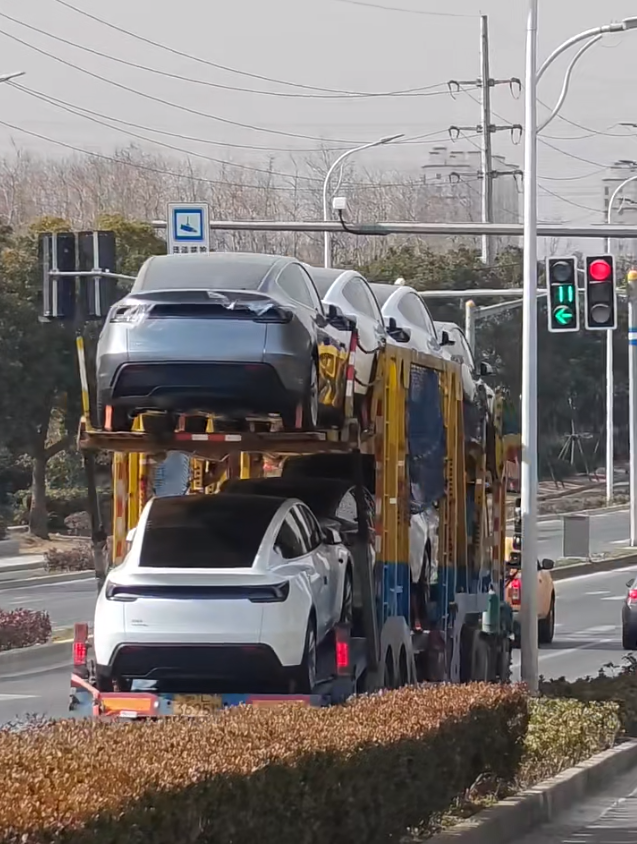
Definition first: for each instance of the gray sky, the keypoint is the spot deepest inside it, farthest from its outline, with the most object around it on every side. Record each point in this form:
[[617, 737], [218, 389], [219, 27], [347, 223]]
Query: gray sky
[[326, 44]]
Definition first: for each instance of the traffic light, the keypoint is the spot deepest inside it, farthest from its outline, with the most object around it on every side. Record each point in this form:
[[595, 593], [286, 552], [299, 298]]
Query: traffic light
[[57, 252], [563, 297], [601, 297], [96, 250]]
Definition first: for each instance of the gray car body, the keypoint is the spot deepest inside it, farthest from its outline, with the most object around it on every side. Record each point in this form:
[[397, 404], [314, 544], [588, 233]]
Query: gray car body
[[236, 281]]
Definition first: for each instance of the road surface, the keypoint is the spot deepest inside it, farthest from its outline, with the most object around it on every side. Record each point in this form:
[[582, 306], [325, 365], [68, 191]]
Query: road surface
[[608, 532], [66, 603], [587, 637], [608, 817]]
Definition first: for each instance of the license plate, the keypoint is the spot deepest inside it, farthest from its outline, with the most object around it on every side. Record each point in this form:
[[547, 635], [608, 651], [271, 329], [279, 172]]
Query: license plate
[[194, 706]]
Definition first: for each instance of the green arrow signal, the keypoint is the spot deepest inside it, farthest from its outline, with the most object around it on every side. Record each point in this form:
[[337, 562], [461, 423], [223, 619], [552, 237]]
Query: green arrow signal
[[563, 315]]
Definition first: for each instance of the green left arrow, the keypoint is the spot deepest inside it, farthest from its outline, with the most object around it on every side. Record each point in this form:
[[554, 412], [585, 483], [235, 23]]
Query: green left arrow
[[563, 315]]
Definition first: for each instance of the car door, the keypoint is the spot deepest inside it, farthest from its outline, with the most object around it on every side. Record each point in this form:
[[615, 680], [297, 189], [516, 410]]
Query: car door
[[325, 562], [332, 344], [293, 546], [371, 329], [415, 313]]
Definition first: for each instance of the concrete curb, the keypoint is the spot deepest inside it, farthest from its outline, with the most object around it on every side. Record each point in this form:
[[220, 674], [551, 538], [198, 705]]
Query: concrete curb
[[610, 564], [36, 658], [513, 818], [45, 579], [9, 548]]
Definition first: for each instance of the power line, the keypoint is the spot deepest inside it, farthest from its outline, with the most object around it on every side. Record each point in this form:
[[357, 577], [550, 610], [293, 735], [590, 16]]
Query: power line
[[569, 201], [167, 102], [426, 91], [416, 140], [198, 59], [404, 11], [94, 117]]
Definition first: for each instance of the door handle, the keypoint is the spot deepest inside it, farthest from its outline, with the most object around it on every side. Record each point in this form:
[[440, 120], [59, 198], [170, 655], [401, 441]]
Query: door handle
[[325, 579]]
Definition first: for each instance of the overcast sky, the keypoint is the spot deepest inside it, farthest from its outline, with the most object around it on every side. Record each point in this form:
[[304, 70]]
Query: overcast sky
[[324, 44]]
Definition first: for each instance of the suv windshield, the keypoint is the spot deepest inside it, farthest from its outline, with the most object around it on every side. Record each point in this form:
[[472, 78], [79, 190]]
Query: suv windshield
[[206, 532]]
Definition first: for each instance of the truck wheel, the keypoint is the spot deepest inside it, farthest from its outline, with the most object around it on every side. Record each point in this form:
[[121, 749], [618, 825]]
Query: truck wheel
[[546, 626], [306, 675]]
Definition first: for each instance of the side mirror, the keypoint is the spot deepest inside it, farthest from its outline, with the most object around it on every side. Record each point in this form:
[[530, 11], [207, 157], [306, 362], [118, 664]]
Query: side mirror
[[629, 584], [131, 535], [485, 369], [547, 565], [331, 536], [399, 335], [445, 339], [337, 319]]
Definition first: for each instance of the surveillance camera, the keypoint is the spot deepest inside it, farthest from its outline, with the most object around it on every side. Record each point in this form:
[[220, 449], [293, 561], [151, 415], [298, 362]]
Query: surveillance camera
[[339, 203]]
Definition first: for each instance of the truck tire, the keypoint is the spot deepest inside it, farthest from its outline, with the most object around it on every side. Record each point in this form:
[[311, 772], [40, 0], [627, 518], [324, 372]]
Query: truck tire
[[546, 626], [306, 672]]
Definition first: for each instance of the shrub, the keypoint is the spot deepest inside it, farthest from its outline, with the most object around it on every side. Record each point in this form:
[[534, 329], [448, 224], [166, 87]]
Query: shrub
[[366, 771], [60, 504], [3, 528], [78, 524], [563, 733], [613, 683], [73, 558], [21, 628]]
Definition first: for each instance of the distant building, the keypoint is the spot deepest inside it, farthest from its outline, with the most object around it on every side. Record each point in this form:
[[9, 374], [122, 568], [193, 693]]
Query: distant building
[[452, 191], [625, 204]]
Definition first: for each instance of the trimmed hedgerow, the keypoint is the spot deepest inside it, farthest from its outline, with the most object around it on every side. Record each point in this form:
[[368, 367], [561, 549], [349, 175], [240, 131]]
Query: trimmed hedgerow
[[21, 628], [74, 558], [612, 683], [366, 771]]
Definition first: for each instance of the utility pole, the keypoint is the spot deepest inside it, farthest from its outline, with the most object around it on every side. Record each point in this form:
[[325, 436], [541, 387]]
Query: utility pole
[[632, 398], [486, 155], [486, 129]]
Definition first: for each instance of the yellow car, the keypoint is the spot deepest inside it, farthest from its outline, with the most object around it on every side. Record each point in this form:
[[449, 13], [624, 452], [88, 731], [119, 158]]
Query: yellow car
[[545, 593]]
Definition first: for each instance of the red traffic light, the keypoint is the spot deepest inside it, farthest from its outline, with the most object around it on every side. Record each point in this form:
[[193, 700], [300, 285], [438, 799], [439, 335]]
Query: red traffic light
[[600, 270]]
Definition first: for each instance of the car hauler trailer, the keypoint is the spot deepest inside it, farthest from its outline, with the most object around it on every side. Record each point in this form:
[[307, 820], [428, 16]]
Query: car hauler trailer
[[412, 456]]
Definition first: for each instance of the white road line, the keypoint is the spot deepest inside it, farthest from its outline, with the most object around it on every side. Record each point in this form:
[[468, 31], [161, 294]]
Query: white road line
[[614, 598], [602, 592], [566, 651], [560, 584], [620, 541], [7, 698]]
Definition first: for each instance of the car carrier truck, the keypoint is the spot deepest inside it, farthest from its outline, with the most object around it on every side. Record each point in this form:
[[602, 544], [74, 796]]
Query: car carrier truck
[[413, 455]]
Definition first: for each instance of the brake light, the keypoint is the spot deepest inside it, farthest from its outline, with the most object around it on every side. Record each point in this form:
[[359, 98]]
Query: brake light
[[515, 590], [130, 313], [632, 596], [79, 653], [342, 656]]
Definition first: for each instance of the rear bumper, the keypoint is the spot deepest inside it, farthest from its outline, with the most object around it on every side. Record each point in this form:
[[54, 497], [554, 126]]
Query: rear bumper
[[238, 665], [213, 387]]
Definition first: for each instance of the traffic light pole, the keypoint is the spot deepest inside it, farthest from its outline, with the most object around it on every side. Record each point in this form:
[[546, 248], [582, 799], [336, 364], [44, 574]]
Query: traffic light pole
[[632, 398]]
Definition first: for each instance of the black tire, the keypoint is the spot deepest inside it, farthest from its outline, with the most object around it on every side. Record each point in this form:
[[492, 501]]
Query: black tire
[[347, 607], [160, 425], [195, 424], [546, 626], [306, 673], [629, 639], [309, 405]]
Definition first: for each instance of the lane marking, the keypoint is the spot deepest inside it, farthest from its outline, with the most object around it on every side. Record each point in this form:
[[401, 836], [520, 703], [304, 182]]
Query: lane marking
[[601, 592], [566, 651], [7, 698], [614, 598]]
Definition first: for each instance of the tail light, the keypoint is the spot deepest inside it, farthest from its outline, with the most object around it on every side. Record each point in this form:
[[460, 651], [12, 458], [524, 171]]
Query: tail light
[[342, 650], [632, 596], [130, 313], [515, 590]]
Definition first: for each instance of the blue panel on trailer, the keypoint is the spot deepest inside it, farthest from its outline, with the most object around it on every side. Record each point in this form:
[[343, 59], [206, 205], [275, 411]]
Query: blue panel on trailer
[[172, 475], [426, 438], [396, 584]]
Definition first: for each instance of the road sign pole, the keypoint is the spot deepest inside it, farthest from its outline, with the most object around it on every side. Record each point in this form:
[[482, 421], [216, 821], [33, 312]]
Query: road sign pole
[[632, 398]]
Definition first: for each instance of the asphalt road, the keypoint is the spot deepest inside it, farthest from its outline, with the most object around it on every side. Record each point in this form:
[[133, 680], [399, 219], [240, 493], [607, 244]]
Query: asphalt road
[[608, 532], [587, 637], [66, 602]]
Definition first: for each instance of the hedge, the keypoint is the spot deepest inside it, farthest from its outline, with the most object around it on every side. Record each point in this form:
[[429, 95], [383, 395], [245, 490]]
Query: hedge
[[612, 683], [366, 771], [372, 771], [74, 558], [21, 628]]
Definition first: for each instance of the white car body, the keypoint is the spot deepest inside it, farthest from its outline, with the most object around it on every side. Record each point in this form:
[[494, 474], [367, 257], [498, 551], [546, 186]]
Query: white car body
[[403, 305], [461, 353], [351, 293], [164, 595]]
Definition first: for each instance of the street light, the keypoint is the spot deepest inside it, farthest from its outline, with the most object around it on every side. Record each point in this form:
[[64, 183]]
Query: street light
[[327, 242], [6, 77], [529, 480]]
